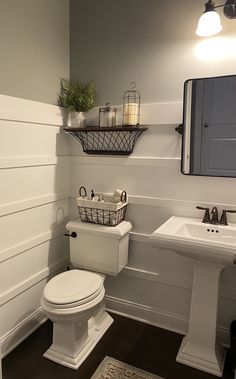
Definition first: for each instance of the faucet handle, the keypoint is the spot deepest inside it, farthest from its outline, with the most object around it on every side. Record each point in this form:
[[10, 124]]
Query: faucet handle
[[223, 219], [206, 218], [202, 208], [229, 210]]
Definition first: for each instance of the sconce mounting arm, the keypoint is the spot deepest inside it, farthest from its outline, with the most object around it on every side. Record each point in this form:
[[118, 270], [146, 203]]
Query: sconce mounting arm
[[229, 7]]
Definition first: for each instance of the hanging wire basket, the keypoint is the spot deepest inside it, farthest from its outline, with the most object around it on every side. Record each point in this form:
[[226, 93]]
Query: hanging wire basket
[[118, 140]]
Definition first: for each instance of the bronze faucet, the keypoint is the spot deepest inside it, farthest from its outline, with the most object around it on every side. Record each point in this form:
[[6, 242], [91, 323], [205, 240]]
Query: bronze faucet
[[215, 218]]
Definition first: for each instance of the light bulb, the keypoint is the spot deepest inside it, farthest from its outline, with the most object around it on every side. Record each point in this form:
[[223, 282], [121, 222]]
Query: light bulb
[[209, 24]]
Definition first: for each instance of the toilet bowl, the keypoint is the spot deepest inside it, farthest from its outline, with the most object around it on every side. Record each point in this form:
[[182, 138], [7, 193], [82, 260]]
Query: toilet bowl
[[74, 300]]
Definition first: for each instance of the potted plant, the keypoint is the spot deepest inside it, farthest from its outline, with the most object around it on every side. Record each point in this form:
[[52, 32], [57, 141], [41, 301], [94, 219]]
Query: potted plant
[[76, 97]]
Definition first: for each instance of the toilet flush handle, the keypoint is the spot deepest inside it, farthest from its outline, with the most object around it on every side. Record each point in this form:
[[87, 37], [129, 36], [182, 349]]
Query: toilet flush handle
[[73, 235]]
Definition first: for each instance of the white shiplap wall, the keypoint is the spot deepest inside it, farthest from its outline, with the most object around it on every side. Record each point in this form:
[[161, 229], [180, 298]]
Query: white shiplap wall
[[34, 206], [41, 169], [156, 285]]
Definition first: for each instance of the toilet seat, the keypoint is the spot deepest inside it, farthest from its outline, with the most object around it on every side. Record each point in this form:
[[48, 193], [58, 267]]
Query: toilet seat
[[72, 288]]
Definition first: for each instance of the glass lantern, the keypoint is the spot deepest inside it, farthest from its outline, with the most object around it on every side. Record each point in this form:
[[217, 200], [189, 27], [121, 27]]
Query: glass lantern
[[131, 106]]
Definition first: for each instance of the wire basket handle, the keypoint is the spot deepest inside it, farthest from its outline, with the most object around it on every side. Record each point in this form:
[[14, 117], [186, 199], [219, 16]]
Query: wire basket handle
[[123, 197], [80, 191]]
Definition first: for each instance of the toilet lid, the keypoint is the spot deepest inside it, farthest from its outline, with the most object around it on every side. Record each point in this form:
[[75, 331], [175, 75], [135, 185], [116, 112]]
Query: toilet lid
[[72, 286]]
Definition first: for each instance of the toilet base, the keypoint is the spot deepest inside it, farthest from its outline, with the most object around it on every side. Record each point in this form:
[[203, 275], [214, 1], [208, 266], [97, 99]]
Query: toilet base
[[80, 347]]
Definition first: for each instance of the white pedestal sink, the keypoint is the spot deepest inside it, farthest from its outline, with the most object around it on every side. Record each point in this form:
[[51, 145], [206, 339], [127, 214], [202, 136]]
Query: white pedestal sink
[[211, 248]]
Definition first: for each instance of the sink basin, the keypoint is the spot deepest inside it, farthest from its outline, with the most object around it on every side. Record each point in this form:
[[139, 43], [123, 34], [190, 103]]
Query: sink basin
[[192, 238], [211, 248]]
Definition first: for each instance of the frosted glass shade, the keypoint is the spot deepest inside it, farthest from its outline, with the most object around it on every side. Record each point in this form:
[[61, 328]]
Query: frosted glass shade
[[209, 24]]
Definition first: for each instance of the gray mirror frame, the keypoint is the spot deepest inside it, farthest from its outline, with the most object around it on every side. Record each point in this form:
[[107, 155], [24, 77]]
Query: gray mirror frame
[[186, 133]]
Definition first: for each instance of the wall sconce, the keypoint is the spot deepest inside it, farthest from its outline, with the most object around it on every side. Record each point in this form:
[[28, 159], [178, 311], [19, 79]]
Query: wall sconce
[[210, 23]]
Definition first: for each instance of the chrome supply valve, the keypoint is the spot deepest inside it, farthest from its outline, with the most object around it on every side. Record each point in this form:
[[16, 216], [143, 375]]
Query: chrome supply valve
[[234, 259]]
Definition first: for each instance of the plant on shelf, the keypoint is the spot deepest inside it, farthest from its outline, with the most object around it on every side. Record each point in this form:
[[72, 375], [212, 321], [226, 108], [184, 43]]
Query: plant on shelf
[[76, 97]]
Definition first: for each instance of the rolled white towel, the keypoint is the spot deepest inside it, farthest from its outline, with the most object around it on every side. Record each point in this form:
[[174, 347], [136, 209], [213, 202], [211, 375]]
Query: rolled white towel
[[95, 198], [116, 196]]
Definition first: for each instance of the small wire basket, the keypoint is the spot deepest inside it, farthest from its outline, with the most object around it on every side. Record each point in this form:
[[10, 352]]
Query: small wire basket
[[103, 213]]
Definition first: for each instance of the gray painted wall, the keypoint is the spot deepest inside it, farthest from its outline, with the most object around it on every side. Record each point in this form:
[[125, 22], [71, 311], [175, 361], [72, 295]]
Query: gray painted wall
[[152, 42], [34, 40]]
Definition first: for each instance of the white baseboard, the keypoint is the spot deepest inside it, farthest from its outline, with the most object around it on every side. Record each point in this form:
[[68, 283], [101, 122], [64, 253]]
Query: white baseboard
[[156, 317], [148, 315], [153, 316], [14, 337]]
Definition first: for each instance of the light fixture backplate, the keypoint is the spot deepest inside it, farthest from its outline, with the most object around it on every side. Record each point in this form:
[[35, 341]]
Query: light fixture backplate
[[230, 9]]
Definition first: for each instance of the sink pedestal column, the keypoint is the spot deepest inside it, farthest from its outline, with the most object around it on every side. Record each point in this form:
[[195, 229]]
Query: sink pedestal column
[[200, 348]]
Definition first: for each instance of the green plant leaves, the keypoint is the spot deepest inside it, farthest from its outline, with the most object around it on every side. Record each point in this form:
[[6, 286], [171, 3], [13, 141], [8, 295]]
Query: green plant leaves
[[76, 97]]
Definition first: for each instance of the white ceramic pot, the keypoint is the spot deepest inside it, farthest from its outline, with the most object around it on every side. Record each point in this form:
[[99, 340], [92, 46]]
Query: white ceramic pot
[[77, 120]]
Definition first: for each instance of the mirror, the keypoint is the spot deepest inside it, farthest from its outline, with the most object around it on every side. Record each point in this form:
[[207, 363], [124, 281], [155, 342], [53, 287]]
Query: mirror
[[209, 127]]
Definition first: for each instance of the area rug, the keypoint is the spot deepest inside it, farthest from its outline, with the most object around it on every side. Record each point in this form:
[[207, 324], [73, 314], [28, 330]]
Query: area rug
[[110, 368]]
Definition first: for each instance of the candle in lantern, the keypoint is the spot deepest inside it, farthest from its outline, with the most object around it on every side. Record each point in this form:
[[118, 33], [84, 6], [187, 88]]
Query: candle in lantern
[[131, 111]]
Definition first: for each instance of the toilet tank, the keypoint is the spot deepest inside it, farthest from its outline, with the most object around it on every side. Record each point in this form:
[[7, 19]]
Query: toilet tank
[[99, 248]]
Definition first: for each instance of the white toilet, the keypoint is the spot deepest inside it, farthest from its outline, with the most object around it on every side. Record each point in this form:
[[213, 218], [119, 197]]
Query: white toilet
[[74, 300]]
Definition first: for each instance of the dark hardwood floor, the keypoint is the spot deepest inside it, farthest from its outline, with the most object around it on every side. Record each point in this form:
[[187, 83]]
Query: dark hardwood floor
[[138, 344]]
